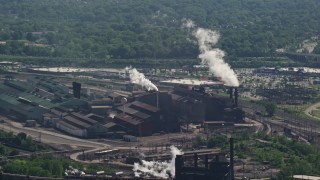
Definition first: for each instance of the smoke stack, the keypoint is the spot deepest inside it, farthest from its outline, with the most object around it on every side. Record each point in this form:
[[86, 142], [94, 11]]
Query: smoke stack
[[76, 87], [231, 92], [124, 101], [178, 167], [231, 159], [236, 94], [158, 99]]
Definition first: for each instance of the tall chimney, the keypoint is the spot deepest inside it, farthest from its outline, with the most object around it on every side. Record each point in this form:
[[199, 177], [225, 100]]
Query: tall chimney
[[178, 167], [231, 92], [236, 94], [76, 87], [157, 99], [231, 159]]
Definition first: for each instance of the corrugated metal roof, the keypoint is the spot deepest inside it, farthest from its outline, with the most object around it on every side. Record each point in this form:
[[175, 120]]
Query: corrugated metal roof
[[141, 115], [38, 100], [83, 118], [76, 122], [134, 112], [96, 117], [110, 124], [68, 125], [129, 119], [9, 99], [8, 90], [145, 106], [50, 114], [58, 113]]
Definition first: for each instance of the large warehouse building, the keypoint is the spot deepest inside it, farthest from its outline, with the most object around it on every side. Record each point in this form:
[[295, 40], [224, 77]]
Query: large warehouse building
[[21, 100]]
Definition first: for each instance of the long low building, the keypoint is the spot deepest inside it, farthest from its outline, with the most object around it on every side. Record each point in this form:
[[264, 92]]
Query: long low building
[[24, 101], [21, 108], [80, 125]]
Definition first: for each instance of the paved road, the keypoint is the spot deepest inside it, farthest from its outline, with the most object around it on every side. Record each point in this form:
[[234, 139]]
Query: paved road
[[53, 138], [309, 110], [50, 137]]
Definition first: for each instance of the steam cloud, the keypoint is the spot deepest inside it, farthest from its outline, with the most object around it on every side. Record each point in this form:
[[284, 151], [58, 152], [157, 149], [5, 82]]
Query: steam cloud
[[139, 78], [158, 169], [188, 24], [213, 57], [112, 114]]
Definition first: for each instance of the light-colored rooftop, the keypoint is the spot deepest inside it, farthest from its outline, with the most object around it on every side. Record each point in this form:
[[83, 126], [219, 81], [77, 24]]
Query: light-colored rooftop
[[193, 82]]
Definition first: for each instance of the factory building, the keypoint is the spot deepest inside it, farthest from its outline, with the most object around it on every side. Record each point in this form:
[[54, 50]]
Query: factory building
[[163, 101], [51, 118], [138, 118], [188, 105], [48, 85], [197, 107], [24, 101], [77, 104], [21, 108], [81, 125], [133, 125], [215, 107], [101, 106], [17, 99], [116, 97]]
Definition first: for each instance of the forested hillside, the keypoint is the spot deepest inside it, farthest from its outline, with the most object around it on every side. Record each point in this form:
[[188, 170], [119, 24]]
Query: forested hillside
[[124, 29]]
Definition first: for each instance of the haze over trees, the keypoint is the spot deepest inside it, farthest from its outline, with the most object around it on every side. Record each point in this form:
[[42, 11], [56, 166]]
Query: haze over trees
[[126, 29]]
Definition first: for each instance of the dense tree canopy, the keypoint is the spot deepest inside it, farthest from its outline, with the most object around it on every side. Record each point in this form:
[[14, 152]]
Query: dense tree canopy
[[116, 29]]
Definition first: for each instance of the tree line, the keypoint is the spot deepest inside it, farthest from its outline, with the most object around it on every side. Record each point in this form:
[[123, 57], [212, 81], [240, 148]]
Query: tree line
[[111, 29]]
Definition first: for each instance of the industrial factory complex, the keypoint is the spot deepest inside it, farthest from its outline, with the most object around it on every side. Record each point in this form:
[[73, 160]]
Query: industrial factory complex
[[70, 109], [103, 116]]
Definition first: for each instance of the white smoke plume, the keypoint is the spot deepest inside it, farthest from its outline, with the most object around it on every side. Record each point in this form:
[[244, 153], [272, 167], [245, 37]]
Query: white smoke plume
[[187, 23], [138, 78], [112, 114], [157, 169], [213, 57]]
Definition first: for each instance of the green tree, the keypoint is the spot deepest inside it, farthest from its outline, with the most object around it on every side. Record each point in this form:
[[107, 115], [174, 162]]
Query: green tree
[[270, 108]]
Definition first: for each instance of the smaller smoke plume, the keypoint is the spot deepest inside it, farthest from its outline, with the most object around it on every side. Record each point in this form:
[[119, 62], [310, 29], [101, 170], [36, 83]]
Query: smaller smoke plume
[[187, 23], [112, 114], [138, 78], [158, 169]]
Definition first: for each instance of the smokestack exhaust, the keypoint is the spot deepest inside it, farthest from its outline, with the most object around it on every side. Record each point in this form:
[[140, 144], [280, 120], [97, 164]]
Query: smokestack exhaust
[[236, 95]]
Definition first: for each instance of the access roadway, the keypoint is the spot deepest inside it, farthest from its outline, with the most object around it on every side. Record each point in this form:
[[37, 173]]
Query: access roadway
[[311, 108]]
